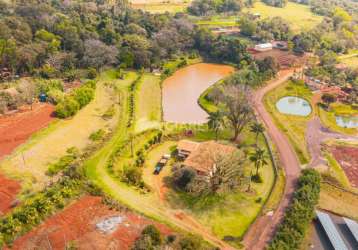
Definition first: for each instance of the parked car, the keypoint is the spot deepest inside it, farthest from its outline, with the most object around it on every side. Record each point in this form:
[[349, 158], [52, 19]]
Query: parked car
[[162, 162]]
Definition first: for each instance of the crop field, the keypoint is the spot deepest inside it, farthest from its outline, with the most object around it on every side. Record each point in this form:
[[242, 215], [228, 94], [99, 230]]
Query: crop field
[[76, 227], [30, 161], [299, 16], [160, 6], [293, 126], [148, 110]]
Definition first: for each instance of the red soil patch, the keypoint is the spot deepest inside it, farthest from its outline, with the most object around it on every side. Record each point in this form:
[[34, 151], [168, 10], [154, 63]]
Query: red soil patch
[[286, 59], [348, 159], [17, 128], [77, 223], [8, 191]]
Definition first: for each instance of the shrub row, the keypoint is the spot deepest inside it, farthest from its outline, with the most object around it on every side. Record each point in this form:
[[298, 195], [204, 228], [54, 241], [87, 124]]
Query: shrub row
[[33, 211], [299, 215], [131, 100], [79, 98], [170, 70], [65, 161]]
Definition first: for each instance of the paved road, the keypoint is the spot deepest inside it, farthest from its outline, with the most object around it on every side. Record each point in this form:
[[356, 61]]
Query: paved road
[[264, 227]]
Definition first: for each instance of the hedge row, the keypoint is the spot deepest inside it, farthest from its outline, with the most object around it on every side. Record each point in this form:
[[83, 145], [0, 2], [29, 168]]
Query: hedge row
[[79, 98], [131, 100], [36, 209], [300, 214]]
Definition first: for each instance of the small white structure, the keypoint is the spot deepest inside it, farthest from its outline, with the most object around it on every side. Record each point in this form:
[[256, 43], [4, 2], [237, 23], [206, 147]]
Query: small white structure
[[263, 47], [109, 225]]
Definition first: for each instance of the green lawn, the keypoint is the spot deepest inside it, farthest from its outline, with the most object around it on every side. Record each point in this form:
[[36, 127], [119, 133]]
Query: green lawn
[[293, 126], [351, 59], [299, 16], [328, 118], [216, 21], [230, 214], [148, 109]]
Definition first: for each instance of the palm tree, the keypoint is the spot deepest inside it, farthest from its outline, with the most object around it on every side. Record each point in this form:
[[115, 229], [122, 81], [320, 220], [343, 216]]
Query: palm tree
[[257, 128], [215, 122], [259, 159]]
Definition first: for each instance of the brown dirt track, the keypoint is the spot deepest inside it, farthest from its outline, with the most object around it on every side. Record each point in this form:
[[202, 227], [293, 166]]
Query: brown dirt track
[[77, 224], [8, 191], [348, 159], [14, 130]]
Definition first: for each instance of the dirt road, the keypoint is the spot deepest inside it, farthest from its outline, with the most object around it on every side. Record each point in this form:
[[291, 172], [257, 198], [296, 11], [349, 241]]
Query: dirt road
[[264, 227]]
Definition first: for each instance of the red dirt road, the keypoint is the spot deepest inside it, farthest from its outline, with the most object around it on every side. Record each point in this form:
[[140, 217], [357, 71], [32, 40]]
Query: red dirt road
[[77, 224], [264, 227], [16, 129]]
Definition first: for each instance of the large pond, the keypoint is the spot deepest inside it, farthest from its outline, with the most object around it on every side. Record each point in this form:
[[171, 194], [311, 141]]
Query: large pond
[[293, 105], [347, 121], [182, 90]]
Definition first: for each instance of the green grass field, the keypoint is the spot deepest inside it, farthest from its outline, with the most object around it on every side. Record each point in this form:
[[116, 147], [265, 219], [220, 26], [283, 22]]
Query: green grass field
[[293, 126], [30, 161], [351, 59], [299, 16], [162, 7], [328, 118], [148, 109]]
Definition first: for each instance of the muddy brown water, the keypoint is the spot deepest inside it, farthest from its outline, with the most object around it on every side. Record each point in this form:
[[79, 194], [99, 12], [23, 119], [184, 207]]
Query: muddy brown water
[[182, 90]]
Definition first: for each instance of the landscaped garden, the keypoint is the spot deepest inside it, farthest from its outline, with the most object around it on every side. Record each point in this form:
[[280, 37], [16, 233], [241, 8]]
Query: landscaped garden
[[293, 125]]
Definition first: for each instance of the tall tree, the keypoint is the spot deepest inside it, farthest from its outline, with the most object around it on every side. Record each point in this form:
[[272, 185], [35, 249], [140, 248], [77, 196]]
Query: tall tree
[[215, 122], [259, 158], [257, 128]]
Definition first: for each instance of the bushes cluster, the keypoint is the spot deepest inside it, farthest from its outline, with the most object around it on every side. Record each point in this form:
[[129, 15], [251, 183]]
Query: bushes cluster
[[34, 210], [168, 71], [63, 162], [300, 214], [131, 104], [76, 100], [132, 173]]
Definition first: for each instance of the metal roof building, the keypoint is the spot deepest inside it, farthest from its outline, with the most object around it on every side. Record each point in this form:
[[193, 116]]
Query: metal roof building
[[353, 227], [331, 231]]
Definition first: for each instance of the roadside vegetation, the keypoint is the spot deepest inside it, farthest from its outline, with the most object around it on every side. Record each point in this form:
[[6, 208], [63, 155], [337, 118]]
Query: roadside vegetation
[[300, 214], [294, 126]]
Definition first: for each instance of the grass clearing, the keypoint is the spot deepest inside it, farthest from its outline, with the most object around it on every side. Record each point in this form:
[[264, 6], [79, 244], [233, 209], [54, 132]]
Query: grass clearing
[[336, 171], [148, 109], [299, 16], [347, 205], [30, 162], [157, 8], [293, 126], [328, 119]]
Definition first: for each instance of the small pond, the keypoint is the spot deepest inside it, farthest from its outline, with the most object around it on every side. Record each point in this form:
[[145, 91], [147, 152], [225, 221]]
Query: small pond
[[347, 121], [293, 105]]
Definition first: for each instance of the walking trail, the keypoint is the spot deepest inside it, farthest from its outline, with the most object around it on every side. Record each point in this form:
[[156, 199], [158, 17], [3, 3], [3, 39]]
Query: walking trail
[[264, 227]]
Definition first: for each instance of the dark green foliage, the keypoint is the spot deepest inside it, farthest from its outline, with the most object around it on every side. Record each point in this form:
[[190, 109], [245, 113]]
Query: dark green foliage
[[98, 135], [276, 3], [300, 213], [131, 102], [68, 107], [63, 162], [190, 242], [132, 175], [76, 100], [91, 73], [207, 7], [153, 233]]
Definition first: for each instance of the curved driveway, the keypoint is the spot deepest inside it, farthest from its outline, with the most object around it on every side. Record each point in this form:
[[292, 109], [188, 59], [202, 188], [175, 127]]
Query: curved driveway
[[264, 227]]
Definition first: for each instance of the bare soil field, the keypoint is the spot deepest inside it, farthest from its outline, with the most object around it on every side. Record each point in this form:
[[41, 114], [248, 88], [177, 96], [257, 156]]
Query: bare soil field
[[348, 159], [17, 128], [284, 58], [76, 225], [8, 191]]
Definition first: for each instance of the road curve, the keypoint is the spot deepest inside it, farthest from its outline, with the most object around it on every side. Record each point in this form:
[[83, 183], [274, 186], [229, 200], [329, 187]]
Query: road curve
[[260, 233]]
